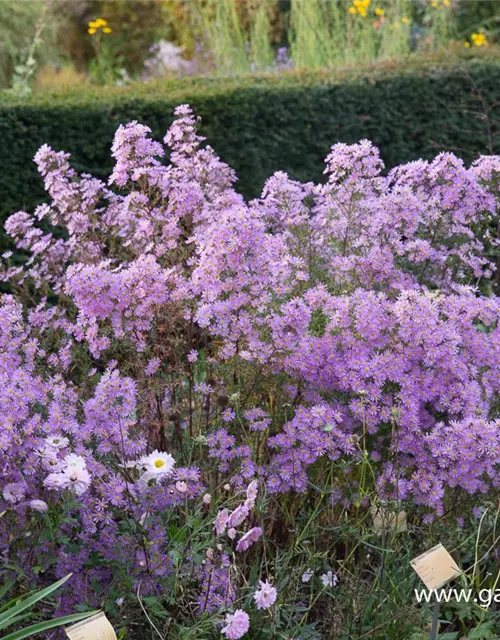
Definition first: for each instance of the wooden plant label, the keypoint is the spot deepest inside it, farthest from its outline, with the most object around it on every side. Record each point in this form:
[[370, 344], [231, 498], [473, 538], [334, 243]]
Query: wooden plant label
[[96, 627], [435, 567], [385, 519]]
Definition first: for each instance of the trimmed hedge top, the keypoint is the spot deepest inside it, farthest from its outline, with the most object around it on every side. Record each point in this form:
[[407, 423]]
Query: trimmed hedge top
[[260, 125]]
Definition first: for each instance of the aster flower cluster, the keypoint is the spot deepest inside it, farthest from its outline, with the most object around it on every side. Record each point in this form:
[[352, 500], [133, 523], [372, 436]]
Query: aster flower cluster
[[84, 463], [317, 323]]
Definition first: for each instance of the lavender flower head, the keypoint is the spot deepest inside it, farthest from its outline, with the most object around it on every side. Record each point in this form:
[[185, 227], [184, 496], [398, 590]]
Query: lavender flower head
[[237, 624]]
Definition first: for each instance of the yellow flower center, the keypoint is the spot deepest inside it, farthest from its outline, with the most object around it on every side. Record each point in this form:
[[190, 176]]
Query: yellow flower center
[[159, 463]]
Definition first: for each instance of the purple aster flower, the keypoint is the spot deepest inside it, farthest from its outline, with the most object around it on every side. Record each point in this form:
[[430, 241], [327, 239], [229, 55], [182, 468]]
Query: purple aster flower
[[14, 492]]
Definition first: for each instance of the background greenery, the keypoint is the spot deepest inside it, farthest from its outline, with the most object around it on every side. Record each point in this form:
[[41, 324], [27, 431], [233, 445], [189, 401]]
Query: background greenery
[[262, 124]]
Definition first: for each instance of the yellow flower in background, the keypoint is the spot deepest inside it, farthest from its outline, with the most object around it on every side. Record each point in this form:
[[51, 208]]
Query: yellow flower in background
[[435, 4], [405, 20], [467, 45], [479, 39], [446, 3], [379, 11], [360, 6], [95, 25]]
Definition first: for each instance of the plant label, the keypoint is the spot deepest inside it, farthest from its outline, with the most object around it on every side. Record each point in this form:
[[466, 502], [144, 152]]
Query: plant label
[[96, 627], [435, 567]]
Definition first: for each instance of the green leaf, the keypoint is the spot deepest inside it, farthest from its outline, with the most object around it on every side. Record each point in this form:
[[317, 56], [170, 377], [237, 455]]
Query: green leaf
[[12, 612], [49, 624], [5, 588]]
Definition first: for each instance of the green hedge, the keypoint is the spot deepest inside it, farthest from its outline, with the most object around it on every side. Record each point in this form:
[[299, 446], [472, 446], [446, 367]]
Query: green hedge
[[260, 125]]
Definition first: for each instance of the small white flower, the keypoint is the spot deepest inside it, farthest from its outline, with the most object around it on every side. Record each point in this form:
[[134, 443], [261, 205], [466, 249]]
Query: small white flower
[[307, 575], [207, 498], [227, 487], [50, 461], [131, 464], [329, 579], [72, 461], [74, 476], [57, 442], [77, 479], [119, 601]]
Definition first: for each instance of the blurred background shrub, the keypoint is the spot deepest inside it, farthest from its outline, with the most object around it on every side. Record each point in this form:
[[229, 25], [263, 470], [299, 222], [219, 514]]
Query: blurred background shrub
[[163, 38]]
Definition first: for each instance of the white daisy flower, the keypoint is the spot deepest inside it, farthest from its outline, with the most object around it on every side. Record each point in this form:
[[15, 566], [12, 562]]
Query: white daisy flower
[[158, 463]]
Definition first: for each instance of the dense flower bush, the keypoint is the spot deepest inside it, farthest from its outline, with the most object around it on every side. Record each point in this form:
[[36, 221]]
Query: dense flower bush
[[174, 359]]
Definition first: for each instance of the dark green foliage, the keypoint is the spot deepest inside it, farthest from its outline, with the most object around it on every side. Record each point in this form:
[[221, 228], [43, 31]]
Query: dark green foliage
[[478, 15], [260, 125]]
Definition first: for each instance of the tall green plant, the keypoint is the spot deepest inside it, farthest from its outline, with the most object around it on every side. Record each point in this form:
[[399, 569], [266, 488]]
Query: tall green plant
[[261, 52], [18, 28], [238, 38], [223, 35], [25, 70], [329, 33], [312, 36], [395, 40]]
